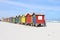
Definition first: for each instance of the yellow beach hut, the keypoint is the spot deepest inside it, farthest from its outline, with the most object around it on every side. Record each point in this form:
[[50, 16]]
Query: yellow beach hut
[[23, 19]]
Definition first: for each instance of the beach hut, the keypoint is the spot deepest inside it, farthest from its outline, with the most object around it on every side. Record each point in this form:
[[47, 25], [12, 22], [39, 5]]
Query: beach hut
[[29, 19], [3, 19], [19, 17], [11, 19], [40, 19], [34, 19], [8, 19], [0, 20], [23, 19], [14, 20]]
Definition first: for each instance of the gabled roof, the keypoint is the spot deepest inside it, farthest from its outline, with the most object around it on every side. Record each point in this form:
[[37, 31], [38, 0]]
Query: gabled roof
[[28, 14]]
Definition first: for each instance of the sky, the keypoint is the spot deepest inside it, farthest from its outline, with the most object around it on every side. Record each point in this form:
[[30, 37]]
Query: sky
[[51, 8]]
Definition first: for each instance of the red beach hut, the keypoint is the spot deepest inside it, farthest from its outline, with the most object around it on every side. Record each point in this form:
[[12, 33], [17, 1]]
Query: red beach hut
[[28, 19], [40, 19]]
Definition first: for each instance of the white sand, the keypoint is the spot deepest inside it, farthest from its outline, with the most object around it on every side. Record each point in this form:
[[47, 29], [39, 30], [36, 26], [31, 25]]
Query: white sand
[[10, 31]]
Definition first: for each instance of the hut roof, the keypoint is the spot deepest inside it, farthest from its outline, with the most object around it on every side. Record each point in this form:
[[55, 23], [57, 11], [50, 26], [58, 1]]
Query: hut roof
[[28, 14]]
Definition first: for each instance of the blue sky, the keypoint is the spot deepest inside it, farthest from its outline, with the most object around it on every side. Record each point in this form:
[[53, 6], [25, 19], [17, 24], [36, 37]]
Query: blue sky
[[51, 8]]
